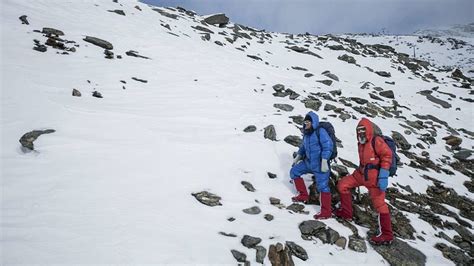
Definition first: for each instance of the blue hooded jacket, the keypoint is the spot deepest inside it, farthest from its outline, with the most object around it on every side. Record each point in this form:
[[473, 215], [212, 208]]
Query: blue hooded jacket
[[314, 147]]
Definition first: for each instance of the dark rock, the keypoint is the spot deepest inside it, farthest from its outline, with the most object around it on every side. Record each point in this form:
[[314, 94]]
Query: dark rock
[[118, 11], [139, 80], [278, 87], [207, 198], [328, 236], [280, 256], [341, 170], [231, 219], [203, 29], [271, 175], [40, 47], [297, 119], [135, 54], [293, 140], [299, 68], [463, 155], [336, 47], [250, 241], [387, 94], [347, 58], [252, 210], [312, 104], [166, 14], [284, 107], [274, 201], [207, 37], [330, 75], [295, 207], [433, 99], [308, 75], [261, 254], [52, 31], [400, 140], [248, 186], [268, 217], [24, 20], [97, 94], [329, 107], [217, 19], [239, 256], [255, 57], [219, 43], [326, 82], [454, 254], [357, 244], [137, 7], [227, 234], [359, 100], [28, 138], [250, 128], [109, 54], [76, 93], [375, 97], [269, 133], [99, 42], [457, 74], [383, 74], [311, 227], [297, 250], [341, 242], [400, 253]]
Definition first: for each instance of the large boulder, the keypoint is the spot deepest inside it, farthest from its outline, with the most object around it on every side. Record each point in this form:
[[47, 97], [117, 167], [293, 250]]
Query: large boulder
[[217, 19], [280, 255], [28, 138], [269, 133], [297, 250], [250, 241], [99, 42], [400, 253]]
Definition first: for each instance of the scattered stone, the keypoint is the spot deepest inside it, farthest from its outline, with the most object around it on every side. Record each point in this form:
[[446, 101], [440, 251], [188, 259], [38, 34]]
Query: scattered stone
[[76, 93], [341, 242], [250, 241], [252, 210], [227, 234], [28, 138], [39, 47], [299, 68], [311, 227], [433, 99], [166, 14], [99, 42], [328, 236], [296, 207], [293, 140], [203, 29], [375, 97], [357, 244], [274, 201], [248, 186], [268, 217], [231, 219], [270, 133], [383, 74], [278, 87], [109, 54], [250, 128], [217, 19], [336, 47], [271, 175], [463, 155], [326, 82], [284, 107], [207, 198], [279, 255], [453, 140], [117, 11], [329, 107], [139, 80], [400, 253], [135, 54], [400, 140], [24, 20], [454, 254], [330, 75], [97, 94], [308, 75], [387, 94], [347, 58], [261, 254], [52, 31], [255, 57], [297, 250], [239, 256], [314, 104]]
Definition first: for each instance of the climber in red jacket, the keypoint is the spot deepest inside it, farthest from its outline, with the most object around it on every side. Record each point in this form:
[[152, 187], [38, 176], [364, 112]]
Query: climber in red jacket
[[372, 173]]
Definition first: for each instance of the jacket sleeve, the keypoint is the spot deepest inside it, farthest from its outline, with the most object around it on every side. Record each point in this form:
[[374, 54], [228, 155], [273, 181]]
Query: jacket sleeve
[[384, 153], [326, 144], [301, 150]]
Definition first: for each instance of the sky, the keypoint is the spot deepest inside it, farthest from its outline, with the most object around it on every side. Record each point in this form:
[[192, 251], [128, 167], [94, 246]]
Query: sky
[[335, 16]]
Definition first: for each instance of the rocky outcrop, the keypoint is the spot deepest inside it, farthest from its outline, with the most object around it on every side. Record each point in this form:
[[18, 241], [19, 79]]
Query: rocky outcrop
[[217, 19], [400, 253], [99, 42], [28, 138]]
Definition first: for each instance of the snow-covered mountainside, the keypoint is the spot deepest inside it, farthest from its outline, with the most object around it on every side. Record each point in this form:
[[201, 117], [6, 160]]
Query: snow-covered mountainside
[[164, 101], [446, 48]]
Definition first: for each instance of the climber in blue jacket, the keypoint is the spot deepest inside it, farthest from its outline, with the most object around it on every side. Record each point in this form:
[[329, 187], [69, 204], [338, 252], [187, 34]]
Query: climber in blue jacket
[[313, 157]]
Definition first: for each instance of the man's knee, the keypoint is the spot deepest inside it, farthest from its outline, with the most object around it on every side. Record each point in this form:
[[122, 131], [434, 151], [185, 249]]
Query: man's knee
[[380, 205], [343, 186], [322, 183]]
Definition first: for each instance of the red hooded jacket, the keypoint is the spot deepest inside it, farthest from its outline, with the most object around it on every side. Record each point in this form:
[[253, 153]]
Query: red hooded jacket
[[382, 155]]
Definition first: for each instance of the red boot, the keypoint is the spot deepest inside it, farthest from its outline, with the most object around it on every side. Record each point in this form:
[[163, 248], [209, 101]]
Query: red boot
[[301, 189], [345, 211], [385, 226], [325, 203]]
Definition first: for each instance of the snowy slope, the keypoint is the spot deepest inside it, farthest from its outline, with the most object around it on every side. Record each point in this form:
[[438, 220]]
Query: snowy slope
[[113, 184]]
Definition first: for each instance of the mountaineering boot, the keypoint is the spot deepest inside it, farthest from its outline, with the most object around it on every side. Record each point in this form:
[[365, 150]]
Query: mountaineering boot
[[385, 226], [345, 210], [325, 203], [301, 189]]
